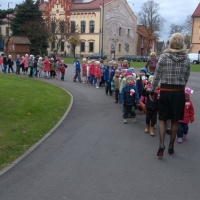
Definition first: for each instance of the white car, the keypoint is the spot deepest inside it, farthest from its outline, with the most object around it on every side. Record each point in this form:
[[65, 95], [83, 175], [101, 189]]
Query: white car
[[194, 58]]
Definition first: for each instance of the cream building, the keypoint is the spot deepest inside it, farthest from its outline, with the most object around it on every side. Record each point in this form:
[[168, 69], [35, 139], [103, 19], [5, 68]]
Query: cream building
[[107, 26], [195, 39]]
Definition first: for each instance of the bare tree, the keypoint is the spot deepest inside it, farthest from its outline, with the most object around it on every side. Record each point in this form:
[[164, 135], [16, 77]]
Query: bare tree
[[175, 28], [74, 40], [60, 31], [150, 18], [188, 25]]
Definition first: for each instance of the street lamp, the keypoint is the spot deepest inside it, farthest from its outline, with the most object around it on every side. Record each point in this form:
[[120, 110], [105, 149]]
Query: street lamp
[[102, 25], [114, 49]]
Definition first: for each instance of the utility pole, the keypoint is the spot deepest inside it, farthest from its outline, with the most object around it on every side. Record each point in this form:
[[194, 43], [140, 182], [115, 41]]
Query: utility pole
[[102, 29]]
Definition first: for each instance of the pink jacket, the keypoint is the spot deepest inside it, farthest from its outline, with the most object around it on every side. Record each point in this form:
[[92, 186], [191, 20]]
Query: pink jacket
[[1, 60], [46, 66], [188, 112], [97, 71], [84, 67], [25, 61]]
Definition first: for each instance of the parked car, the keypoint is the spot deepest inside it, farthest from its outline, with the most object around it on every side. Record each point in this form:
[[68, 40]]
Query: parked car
[[97, 56], [128, 58], [144, 58], [2, 54], [194, 58]]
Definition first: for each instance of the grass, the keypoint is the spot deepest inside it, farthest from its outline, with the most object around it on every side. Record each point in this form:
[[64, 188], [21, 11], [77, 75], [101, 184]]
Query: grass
[[29, 109], [194, 68]]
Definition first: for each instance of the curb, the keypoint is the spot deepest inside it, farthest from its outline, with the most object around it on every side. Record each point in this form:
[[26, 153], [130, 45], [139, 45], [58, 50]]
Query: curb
[[6, 169]]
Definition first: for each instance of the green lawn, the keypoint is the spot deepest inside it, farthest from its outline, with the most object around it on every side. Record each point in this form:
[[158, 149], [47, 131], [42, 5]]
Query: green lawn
[[29, 109], [194, 68]]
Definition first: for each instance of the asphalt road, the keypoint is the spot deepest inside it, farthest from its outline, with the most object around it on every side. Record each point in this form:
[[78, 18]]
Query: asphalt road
[[92, 155]]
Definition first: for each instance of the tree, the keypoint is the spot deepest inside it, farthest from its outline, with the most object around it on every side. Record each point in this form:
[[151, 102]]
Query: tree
[[174, 28], [74, 40], [187, 26], [150, 18], [28, 22], [60, 30]]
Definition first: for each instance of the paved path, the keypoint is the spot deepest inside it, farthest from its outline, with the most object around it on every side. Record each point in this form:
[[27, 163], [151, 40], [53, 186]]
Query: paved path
[[92, 155]]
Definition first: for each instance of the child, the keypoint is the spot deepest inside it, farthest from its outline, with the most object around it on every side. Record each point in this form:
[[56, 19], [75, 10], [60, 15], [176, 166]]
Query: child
[[91, 73], [77, 67], [122, 79], [10, 64], [62, 70], [97, 73], [88, 71], [140, 84], [116, 83], [188, 117], [25, 64], [46, 66], [17, 61], [40, 65], [84, 70], [108, 77], [129, 97], [52, 68], [58, 67], [30, 65], [151, 108], [125, 64]]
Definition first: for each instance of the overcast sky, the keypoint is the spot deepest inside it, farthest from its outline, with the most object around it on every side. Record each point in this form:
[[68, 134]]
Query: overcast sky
[[173, 11]]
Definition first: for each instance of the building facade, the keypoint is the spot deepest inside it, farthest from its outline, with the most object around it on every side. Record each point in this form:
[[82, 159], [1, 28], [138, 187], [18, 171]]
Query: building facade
[[195, 38], [105, 26]]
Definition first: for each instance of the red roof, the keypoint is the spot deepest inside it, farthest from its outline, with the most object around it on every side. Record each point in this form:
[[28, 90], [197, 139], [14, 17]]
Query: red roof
[[196, 12], [93, 4]]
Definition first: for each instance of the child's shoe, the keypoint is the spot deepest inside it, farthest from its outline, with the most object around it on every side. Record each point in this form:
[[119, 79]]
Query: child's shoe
[[97, 87], [184, 136], [179, 140], [134, 120], [125, 121]]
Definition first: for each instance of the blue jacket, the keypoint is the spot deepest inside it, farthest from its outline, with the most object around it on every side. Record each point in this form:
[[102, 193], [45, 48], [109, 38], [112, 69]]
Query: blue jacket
[[109, 74], [77, 65], [17, 61], [126, 98]]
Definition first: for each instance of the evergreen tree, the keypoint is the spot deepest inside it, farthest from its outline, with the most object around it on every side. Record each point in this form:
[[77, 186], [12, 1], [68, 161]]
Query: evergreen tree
[[28, 22]]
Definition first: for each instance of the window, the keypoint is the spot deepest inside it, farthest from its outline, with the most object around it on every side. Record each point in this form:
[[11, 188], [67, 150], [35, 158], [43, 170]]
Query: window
[[7, 31], [91, 26], [62, 27], [82, 46], [73, 25], [128, 33], [120, 30], [82, 26], [52, 46], [127, 47], [119, 48], [62, 46], [53, 27], [91, 46]]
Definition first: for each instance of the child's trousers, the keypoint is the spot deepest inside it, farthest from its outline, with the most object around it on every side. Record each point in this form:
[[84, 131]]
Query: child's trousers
[[182, 129], [128, 110]]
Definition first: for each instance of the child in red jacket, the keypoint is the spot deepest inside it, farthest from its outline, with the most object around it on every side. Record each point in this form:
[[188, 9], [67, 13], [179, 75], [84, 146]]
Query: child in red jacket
[[188, 117], [97, 73]]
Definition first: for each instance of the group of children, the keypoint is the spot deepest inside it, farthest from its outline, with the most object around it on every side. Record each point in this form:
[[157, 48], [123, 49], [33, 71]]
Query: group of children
[[132, 91], [35, 66]]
